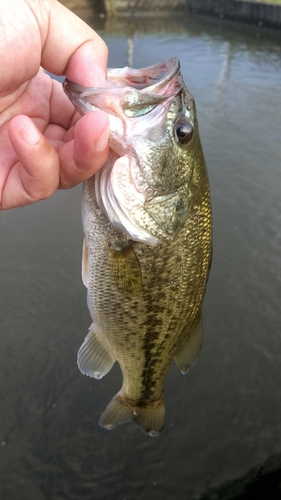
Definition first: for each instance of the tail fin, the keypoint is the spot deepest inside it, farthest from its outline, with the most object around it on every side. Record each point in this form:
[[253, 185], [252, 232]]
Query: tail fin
[[149, 418]]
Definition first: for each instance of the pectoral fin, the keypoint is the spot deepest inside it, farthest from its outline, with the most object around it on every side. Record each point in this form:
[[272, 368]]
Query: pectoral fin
[[190, 350], [94, 356], [126, 271], [169, 211]]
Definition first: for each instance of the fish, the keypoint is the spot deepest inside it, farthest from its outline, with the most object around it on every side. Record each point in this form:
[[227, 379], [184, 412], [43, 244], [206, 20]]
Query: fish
[[147, 247]]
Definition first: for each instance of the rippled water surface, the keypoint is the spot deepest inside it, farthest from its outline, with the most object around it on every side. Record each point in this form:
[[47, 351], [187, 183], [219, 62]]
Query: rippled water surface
[[223, 418]]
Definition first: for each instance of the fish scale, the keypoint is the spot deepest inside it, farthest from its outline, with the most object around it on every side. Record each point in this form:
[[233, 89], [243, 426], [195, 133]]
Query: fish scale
[[146, 257]]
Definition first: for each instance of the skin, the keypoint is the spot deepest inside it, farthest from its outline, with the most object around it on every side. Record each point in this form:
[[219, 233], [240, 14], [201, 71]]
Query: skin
[[44, 143]]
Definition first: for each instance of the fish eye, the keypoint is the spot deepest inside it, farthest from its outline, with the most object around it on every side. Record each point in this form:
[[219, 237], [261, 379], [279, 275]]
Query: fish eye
[[184, 131]]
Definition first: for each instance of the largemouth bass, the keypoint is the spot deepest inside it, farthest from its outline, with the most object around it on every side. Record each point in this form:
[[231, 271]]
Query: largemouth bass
[[147, 246]]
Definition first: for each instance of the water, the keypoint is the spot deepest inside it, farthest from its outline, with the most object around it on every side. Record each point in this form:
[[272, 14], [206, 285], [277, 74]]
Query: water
[[223, 418]]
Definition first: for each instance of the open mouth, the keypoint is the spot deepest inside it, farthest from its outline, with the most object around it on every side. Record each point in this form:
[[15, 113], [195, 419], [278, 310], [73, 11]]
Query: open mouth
[[137, 91]]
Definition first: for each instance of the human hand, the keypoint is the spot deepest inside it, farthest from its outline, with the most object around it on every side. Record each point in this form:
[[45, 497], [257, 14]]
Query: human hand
[[44, 143]]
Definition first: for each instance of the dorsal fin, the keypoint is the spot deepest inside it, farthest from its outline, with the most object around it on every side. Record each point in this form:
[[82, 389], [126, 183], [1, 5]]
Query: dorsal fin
[[190, 350]]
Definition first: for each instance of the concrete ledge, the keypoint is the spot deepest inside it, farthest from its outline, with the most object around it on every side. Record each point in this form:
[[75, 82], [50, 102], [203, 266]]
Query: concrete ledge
[[151, 6], [255, 13], [261, 14]]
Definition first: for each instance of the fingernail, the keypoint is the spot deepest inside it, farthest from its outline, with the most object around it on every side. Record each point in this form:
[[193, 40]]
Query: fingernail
[[101, 143], [30, 133]]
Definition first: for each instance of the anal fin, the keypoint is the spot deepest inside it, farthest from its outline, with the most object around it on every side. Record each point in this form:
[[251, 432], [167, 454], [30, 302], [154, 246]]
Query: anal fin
[[95, 358], [149, 417], [190, 350]]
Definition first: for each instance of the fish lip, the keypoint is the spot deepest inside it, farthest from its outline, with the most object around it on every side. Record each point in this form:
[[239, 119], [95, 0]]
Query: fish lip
[[171, 67]]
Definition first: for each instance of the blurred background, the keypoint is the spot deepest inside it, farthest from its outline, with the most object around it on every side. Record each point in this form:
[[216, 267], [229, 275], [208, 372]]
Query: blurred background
[[222, 438]]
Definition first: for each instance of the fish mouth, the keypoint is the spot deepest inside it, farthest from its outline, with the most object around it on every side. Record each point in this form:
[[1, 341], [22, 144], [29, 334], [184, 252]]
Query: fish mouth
[[130, 92]]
